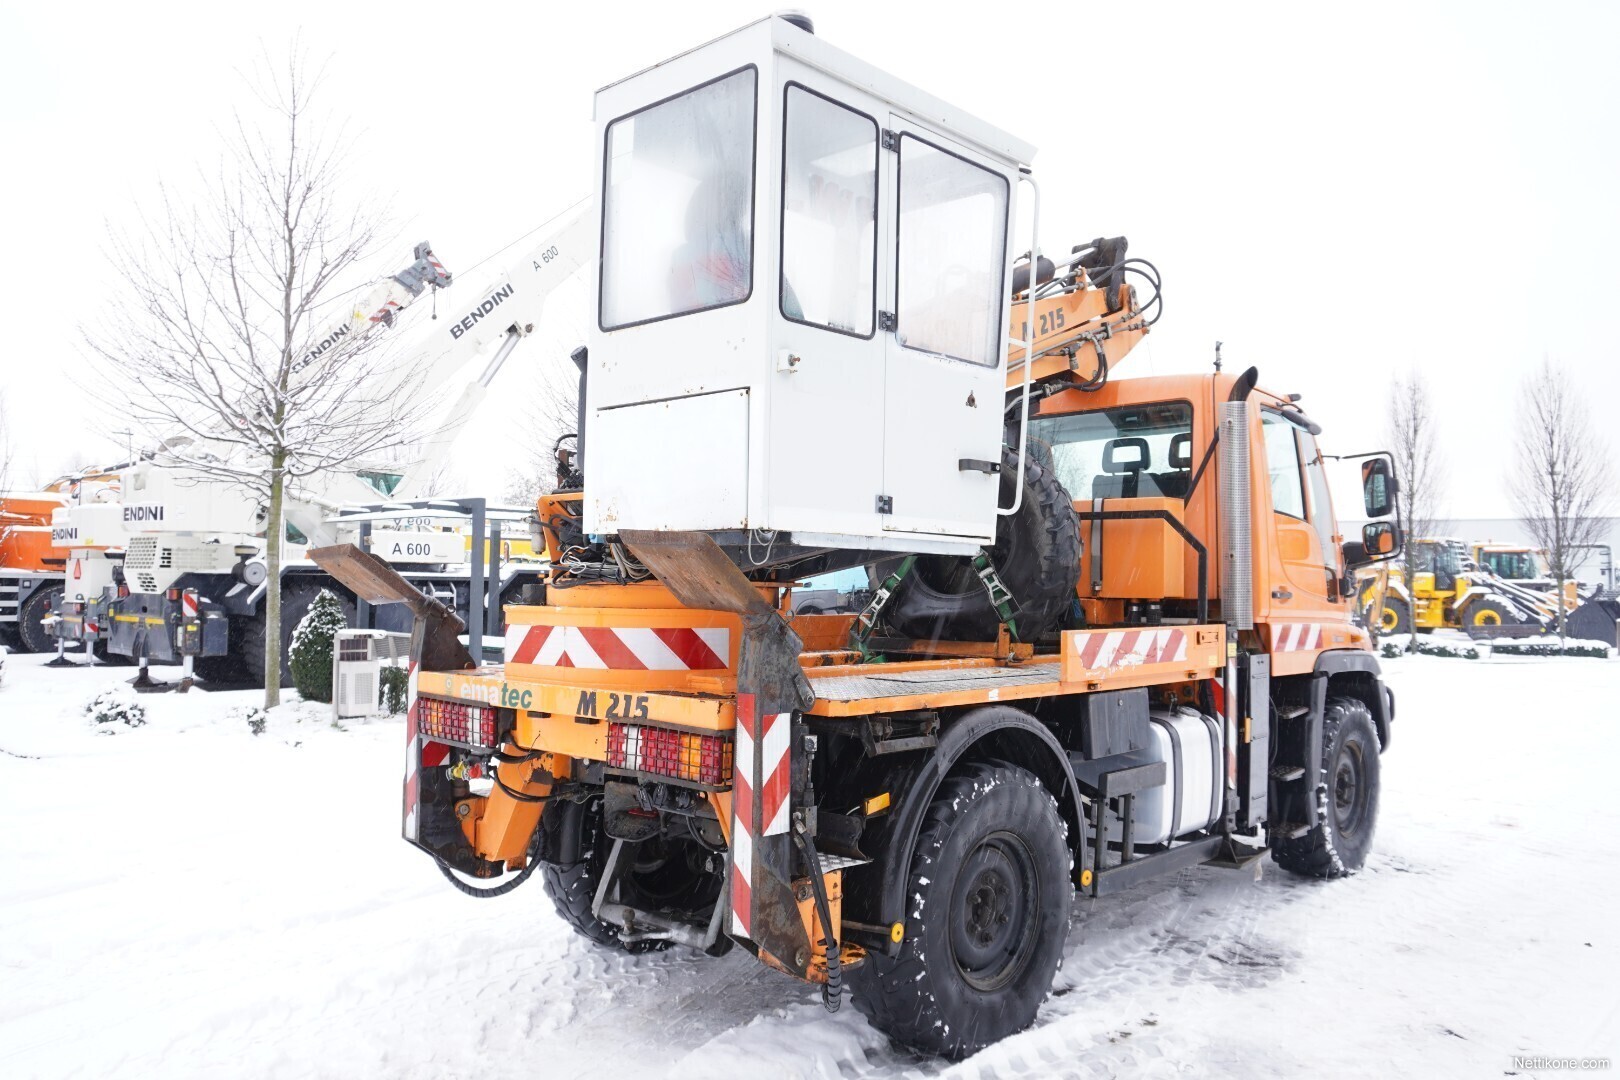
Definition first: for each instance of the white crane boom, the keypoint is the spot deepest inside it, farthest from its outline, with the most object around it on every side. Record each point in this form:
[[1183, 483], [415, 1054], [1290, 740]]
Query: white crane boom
[[507, 312]]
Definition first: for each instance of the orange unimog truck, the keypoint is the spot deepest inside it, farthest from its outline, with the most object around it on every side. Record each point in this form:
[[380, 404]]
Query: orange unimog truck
[[1111, 632]]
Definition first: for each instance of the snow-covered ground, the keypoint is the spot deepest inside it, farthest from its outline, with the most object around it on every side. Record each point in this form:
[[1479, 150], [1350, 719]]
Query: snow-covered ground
[[188, 899]]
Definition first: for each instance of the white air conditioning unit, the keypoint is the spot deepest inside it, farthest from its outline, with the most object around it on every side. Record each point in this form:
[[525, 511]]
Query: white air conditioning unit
[[358, 657]]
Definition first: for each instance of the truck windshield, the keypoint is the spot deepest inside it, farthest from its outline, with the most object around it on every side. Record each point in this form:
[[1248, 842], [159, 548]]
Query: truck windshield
[[1512, 565], [678, 204], [1134, 451]]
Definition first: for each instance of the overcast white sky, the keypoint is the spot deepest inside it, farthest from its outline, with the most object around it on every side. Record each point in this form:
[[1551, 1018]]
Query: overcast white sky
[[1339, 194]]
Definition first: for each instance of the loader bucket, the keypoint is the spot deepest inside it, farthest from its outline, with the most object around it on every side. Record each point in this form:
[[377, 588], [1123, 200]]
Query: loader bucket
[[1595, 620]]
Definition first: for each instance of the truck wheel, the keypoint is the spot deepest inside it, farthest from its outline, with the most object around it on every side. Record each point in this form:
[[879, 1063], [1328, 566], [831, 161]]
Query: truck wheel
[[573, 854], [989, 895], [1346, 797], [1397, 617], [1036, 555], [1486, 612], [31, 619], [295, 602]]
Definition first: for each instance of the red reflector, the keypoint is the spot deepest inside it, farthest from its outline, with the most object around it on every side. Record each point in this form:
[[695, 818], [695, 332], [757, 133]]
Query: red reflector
[[704, 759], [174, 594]]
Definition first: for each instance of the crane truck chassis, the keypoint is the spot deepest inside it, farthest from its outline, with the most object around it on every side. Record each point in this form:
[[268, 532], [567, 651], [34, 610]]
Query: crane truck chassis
[[1144, 663]]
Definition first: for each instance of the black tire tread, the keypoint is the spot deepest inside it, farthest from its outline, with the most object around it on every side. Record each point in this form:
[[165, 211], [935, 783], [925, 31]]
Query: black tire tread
[[571, 861], [31, 633], [1318, 853], [899, 994], [1043, 589]]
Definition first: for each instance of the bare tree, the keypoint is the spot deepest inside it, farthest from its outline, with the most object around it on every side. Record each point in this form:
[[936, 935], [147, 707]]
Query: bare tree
[[227, 336], [1563, 485], [1410, 429]]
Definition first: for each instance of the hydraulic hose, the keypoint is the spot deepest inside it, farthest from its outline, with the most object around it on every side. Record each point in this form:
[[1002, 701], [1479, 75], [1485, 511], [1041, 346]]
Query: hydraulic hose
[[504, 887], [832, 995]]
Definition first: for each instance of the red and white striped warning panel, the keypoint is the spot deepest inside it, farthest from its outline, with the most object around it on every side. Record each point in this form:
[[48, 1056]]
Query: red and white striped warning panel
[[1125, 648], [620, 648], [759, 797], [1295, 637], [1096, 655], [188, 604], [420, 753]]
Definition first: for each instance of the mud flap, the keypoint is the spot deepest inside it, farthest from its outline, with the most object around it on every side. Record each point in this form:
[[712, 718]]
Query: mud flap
[[771, 689], [429, 799]]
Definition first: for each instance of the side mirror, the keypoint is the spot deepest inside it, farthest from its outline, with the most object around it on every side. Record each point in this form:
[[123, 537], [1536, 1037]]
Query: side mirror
[[1377, 488], [1380, 539]]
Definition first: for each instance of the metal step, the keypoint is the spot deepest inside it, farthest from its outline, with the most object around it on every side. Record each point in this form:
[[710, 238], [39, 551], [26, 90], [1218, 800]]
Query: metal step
[[829, 863], [1289, 830], [1286, 773]]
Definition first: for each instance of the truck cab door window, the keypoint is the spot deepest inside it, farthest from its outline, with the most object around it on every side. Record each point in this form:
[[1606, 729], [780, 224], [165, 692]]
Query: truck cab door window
[[1321, 510], [829, 214], [950, 266], [1282, 462], [678, 205]]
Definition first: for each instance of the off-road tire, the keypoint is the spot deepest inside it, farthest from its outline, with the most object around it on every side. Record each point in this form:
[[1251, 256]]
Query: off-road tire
[[1036, 555], [248, 634], [1347, 787], [1402, 612], [31, 634], [574, 851], [1487, 611], [988, 897]]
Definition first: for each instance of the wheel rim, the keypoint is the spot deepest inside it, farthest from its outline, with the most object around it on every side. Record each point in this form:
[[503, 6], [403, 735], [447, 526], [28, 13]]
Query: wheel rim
[[992, 912], [1349, 790], [1487, 618], [1389, 620]]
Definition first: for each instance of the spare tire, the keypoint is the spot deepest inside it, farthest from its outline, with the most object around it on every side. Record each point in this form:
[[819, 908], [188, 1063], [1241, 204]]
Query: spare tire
[[1036, 554]]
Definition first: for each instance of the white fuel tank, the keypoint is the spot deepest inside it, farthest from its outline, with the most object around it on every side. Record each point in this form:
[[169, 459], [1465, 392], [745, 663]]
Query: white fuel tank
[[1189, 743]]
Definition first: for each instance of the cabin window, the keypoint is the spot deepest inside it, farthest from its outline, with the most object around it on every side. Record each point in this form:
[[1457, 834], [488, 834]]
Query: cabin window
[[829, 214], [678, 205], [951, 265]]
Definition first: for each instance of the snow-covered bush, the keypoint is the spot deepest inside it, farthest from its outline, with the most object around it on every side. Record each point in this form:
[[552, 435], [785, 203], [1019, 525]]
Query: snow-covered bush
[[1393, 648], [255, 718], [1446, 648], [116, 706], [310, 655], [4, 652], [395, 685], [1544, 647]]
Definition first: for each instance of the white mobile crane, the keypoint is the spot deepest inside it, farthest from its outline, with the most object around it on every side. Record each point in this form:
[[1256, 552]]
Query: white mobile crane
[[192, 580]]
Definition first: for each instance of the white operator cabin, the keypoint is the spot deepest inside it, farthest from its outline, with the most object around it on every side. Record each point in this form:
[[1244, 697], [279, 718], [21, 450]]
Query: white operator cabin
[[802, 302]]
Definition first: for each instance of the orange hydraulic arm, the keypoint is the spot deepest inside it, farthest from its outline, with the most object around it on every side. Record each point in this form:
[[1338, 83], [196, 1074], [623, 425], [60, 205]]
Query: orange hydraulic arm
[[1081, 331]]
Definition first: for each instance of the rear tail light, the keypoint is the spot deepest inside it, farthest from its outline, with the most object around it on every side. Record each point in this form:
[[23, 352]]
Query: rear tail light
[[699, 759], [457, 721]]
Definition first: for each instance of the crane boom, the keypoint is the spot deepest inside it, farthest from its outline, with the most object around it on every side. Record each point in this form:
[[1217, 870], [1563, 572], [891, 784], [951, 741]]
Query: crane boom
[[505, 313]]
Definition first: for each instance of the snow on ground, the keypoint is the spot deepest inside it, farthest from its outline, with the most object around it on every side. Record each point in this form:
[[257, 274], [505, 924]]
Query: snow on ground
[[188, 899]]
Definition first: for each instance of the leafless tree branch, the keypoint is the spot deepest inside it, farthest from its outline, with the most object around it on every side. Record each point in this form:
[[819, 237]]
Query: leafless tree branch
[[215, 349]]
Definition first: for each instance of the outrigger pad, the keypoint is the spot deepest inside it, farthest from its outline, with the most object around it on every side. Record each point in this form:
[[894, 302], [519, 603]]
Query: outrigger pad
[[435, 637], [692, 566]]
